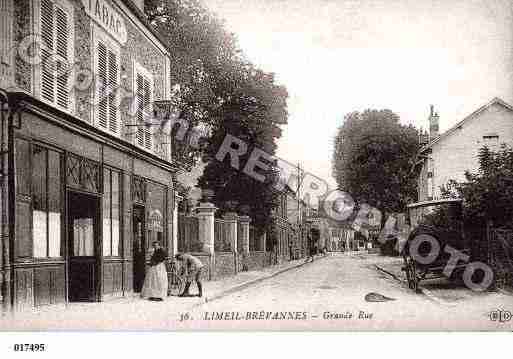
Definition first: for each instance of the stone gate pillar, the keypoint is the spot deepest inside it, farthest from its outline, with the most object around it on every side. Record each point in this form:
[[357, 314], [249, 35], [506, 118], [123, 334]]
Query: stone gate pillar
[[244, 222], [231, 220], [205, 213], [176, 202]]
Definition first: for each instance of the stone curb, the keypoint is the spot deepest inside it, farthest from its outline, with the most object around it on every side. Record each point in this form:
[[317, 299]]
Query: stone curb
[[248, 283], [422, 290]]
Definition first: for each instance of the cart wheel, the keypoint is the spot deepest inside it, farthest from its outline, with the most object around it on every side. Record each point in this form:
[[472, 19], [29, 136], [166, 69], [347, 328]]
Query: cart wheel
[[176, 285]]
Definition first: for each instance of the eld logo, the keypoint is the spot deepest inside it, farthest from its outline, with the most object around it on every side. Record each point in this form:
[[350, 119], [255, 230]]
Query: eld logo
[[501, 316]]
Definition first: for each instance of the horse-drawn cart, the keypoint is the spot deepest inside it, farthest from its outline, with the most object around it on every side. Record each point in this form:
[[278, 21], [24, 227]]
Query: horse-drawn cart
[[428, 249]]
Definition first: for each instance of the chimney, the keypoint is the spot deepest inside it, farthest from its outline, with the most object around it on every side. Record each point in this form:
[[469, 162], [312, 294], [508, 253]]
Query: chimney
[[433, 123]]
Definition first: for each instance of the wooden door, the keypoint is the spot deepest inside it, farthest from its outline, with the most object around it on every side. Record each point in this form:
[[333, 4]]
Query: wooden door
[[139, 247], [83, 232]]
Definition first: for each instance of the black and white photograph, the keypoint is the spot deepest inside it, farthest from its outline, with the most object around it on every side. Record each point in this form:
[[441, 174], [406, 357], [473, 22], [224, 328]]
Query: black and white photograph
[[256, 165]]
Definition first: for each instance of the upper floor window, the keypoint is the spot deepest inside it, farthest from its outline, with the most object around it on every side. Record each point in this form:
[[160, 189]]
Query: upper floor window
[[55, 22], [143, 85], [491, 141], [108, 79]]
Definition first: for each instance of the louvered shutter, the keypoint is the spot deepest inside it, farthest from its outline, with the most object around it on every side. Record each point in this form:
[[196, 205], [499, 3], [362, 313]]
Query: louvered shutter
[[147, 106], [144, 88], [113, 84], [103, 84], [55, 34], [62, 48], [47, 36], [107, 69], [140, 105]]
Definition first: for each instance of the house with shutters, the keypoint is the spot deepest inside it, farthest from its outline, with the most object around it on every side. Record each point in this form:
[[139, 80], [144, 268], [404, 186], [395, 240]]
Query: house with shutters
[[447, 156], [87, 167]]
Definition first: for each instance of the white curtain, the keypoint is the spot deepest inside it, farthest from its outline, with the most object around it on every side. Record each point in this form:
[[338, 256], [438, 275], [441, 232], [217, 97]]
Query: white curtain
[[83, 235], [39, 233]]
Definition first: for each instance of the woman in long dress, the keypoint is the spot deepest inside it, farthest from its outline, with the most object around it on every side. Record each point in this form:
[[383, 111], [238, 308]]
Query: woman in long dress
[[155, 283]]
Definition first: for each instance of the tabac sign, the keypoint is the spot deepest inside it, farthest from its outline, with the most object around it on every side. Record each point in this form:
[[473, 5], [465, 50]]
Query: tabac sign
[[104, 14]]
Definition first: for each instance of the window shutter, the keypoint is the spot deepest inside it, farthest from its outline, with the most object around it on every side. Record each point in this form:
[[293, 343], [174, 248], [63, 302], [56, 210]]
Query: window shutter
[[55, 34], [102, 73], [47, 31], [140, 105], [144, 89], [107, 69], [113, 83], [147, 106], [62, 45]]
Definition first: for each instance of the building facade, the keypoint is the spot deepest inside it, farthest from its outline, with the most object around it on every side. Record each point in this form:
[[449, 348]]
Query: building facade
[[290, 227], [447, 156], [87, 182]]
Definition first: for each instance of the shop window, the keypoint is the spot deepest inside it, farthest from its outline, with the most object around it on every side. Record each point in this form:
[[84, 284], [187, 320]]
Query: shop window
[[107, 68], [156, 205], [111, 213], [144, 101], [55, 21], [54, 204], [38, 208], [23, 242], [22, 166], [46, 203], [39, 202]]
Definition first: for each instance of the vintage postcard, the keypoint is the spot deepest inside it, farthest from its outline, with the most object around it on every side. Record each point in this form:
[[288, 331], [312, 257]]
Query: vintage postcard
[[204, 165]]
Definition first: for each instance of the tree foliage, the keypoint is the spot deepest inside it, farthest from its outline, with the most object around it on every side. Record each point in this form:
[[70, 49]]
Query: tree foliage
[[219, 89], [487, 193], [372, 159]]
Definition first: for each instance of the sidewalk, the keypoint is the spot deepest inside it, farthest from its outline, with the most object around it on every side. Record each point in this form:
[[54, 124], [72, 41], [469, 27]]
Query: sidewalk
[[135, 312], [221, 288]]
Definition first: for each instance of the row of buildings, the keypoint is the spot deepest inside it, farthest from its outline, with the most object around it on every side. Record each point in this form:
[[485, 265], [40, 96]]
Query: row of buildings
[[88, 174]]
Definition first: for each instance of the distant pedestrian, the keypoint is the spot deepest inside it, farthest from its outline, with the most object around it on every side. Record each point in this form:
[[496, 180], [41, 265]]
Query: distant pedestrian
[[311, 248], [155, 283], [291, 252], [194, 268]]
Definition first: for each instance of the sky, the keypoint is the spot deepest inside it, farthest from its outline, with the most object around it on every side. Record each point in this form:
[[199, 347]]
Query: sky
[[339, 56]]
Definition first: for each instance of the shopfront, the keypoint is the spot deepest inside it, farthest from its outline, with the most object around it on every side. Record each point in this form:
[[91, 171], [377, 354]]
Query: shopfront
[[85, 211]]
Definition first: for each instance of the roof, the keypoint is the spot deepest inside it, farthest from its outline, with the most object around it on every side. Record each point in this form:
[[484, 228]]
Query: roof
[[473, 115]]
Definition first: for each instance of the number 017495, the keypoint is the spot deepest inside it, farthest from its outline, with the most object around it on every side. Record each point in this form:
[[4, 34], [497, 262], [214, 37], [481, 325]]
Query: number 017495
[[29, 347]]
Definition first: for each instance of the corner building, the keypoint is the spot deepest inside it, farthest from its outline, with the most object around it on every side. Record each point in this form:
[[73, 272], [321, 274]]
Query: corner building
[[86, 187]]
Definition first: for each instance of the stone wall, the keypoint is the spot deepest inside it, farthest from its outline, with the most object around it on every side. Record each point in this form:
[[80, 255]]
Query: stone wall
[[22, 26], [256, 260], [224, 265]]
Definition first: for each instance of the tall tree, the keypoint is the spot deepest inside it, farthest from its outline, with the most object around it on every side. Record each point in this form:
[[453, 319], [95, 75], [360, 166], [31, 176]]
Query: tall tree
[[220, 89], [372, 159]]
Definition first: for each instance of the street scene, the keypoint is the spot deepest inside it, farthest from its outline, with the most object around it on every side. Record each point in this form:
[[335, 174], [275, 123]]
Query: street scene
[[338, 292], [278, 165]]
